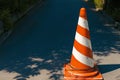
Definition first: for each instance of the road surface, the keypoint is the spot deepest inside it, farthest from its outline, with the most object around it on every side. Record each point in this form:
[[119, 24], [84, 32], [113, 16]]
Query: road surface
[[42, 42]]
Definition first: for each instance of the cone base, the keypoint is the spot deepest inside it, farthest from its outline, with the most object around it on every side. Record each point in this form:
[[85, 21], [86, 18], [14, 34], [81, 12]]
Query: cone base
[[74, 74]]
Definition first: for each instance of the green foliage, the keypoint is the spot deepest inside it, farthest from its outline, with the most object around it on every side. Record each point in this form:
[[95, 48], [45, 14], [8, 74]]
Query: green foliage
[[13, 7], [16, 6], [6, 18], [115, 13], [99, 3]]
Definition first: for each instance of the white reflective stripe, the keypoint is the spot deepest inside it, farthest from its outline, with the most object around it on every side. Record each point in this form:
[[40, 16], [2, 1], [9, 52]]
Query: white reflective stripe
[[82, 58], [83, 40], [83, 23]]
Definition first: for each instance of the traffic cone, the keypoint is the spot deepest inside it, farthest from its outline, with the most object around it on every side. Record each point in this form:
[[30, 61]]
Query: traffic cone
[[82, 66]]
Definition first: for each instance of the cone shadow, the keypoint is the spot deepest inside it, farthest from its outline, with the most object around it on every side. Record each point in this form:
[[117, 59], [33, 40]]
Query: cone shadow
[[108, 67]]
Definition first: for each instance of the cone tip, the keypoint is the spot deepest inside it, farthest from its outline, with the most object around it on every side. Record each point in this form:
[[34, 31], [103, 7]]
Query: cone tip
[[83, 9], [83, 13]]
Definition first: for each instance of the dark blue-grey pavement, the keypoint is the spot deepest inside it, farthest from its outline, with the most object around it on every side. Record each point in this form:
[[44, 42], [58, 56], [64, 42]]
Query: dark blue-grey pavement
[[43, 40]]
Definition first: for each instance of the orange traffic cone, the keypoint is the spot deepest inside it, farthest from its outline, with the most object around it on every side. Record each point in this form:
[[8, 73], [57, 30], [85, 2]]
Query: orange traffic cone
[[82, 66]]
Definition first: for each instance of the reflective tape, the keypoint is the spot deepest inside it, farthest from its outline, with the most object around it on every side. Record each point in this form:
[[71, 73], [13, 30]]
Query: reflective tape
[[83, 40], [82, 58], [83, 23]]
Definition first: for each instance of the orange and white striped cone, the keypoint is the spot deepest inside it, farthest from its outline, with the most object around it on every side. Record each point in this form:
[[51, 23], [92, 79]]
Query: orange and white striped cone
[[82, 66]]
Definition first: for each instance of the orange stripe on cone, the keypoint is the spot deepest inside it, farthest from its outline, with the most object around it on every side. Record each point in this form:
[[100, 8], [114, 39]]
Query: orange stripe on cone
[[82, 49], [84, 32], [82, 65]]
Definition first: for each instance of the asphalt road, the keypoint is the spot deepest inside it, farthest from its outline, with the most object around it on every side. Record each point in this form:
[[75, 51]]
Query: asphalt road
[[43, 39]]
